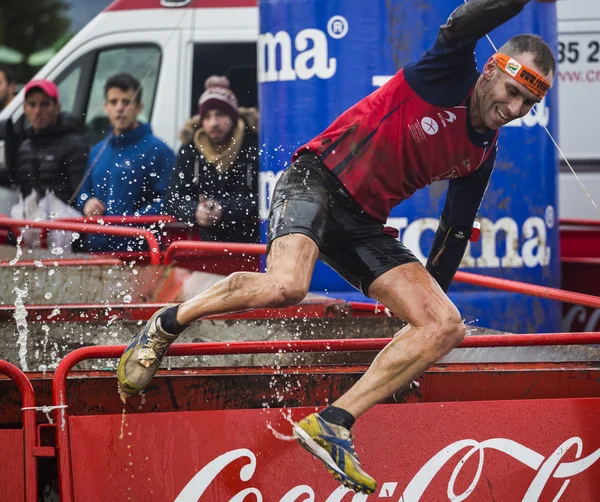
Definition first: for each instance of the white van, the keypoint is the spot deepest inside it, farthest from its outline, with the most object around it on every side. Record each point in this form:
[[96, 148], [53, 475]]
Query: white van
[[172, 48], [579, 105]]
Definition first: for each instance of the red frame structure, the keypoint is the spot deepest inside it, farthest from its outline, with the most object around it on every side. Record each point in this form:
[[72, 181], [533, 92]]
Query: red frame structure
[[59, 382], [91, 229], [29, 427]]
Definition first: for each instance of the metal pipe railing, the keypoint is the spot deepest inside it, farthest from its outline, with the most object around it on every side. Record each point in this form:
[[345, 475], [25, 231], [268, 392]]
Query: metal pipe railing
[[63, 262], [576, 222], [151, 219], [202, 248], [29, 427], [528, 289], [148, 219], [238, 248], [59, 382], [90, 228]]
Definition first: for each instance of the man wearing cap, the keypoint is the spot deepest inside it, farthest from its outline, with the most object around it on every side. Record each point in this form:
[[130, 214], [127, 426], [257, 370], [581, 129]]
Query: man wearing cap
[[53, 155], [215, 184]]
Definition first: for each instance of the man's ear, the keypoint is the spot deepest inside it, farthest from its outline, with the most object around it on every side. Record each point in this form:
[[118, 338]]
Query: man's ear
[[58, 107], [490, 67]]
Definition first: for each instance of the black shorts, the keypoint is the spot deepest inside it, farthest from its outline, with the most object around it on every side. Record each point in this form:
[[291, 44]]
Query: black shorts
[[309, 200]]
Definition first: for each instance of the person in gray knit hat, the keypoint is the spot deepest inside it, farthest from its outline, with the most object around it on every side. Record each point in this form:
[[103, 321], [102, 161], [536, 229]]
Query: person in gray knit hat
[[215, 184]]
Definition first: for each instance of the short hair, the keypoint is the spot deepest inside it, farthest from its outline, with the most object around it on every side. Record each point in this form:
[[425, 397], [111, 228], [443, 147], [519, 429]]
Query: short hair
[[533, 44], [9, 74], [125, 82]]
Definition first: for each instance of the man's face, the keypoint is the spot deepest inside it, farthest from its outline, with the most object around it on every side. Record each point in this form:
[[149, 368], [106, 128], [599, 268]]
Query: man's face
[[217, 125], [6, 90], [40, 109], [122, 109], [504, 98]]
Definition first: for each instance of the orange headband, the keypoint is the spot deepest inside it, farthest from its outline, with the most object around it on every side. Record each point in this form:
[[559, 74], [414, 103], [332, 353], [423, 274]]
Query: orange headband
[[524, 75]]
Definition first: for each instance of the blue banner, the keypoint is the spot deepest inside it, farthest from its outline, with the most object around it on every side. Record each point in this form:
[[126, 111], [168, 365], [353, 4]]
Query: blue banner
[[319, 57]]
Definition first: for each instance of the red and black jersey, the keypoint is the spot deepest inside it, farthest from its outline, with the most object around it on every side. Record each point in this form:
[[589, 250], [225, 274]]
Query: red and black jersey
[[394, 142]]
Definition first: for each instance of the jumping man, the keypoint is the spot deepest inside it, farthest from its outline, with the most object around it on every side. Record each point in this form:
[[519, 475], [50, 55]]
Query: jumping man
[[436, 119]]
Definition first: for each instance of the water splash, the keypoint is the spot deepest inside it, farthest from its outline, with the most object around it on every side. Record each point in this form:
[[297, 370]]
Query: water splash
[[19, 252], [122, 424], [472, 329], [279, 435], [20, 316]]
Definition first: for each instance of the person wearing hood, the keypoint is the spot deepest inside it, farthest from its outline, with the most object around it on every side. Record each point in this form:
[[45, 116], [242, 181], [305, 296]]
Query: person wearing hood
[[129, 171], [215, 184], [53, 154]]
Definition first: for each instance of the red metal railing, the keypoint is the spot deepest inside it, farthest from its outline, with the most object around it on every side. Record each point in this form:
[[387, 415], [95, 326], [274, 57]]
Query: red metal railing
[[575, 222], [115, 220], [528, 289], [90, 228], [201, 248], [59, 382], [122, 220], [29, 427], [64, 262], [237, 248]]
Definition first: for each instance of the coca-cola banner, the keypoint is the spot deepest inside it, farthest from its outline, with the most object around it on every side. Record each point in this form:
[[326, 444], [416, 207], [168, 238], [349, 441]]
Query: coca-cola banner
[[503, 451]]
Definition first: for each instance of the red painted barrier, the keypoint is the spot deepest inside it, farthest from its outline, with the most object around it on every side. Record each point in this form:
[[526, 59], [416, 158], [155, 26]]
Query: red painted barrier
[[63, 439], [17, 460], [536, 450], [90, 229]]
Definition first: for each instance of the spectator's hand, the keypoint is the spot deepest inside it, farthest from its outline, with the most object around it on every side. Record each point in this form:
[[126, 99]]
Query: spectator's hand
[[208, 212], [94, 207]]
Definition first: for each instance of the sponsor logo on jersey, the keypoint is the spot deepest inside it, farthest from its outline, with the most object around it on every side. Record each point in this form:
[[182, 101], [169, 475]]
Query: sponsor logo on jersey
[[429, 126], [417, 132]]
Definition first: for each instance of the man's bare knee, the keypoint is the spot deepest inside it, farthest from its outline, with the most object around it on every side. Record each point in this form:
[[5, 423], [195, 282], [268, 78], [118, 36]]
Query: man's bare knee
[[285, 292], [450, 332], [456, 333]]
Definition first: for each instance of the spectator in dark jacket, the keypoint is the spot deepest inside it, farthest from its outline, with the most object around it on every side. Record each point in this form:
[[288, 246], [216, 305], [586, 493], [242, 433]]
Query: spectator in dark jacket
[[53, 155], [7, 86], [215, 184], [129, 170]]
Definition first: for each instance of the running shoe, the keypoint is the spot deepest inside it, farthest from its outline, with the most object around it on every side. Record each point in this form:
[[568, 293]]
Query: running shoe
[[142, 358], [332, 444]]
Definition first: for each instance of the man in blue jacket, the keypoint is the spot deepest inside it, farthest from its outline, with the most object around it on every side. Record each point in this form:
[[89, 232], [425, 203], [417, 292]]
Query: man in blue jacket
[[129, 171]]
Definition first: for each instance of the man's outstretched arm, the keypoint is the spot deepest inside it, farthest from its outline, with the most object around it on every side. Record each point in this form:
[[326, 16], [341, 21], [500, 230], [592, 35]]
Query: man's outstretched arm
[[476, 18], [462, 204]]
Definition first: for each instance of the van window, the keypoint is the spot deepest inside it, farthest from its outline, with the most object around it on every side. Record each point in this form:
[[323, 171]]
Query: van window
[[67, 88], [237, 61], [143, 62]]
